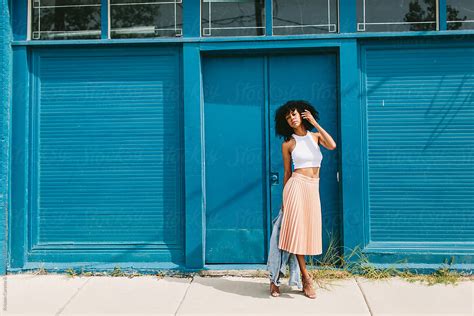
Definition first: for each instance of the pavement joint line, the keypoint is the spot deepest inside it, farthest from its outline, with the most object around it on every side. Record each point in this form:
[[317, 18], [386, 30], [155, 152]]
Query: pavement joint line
[[365, 298], [184, 296], [72, 297], [5, 293]]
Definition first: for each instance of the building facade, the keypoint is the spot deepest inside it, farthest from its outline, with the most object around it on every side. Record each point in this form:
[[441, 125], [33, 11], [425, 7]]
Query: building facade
[[141, 133]]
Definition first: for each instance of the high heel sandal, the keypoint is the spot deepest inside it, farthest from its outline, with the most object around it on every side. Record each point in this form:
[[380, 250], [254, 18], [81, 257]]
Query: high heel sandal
[[308, 289], [274, 290]]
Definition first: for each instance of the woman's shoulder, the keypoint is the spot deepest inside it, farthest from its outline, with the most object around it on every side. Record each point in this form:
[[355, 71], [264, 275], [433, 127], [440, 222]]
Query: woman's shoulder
[[289, 143], [315, 136], [289, 139]]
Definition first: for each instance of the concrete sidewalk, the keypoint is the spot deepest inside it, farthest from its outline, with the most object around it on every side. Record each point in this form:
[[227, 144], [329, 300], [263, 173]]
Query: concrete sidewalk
[[54, 294]]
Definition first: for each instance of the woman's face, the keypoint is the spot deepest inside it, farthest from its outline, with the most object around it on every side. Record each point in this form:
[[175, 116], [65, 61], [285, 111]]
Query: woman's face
[[293, 118]]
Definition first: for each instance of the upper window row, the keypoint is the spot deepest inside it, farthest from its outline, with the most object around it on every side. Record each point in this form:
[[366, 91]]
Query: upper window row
[[81, 19]]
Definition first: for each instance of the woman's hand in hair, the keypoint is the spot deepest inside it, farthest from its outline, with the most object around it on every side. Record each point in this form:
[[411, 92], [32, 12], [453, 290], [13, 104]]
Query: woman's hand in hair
[[309, 117]]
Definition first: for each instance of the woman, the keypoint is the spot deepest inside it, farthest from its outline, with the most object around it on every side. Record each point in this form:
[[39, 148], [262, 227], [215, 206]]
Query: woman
[[301, 227]]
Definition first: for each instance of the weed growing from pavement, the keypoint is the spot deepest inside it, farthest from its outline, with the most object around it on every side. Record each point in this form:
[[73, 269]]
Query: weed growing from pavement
[[333, 266], [41, 270]]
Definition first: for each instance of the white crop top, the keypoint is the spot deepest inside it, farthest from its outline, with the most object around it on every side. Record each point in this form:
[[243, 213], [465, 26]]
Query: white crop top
[[306, 152]]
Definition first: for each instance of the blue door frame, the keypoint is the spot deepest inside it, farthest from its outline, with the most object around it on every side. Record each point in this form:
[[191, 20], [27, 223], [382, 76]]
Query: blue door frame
[[349, 117]]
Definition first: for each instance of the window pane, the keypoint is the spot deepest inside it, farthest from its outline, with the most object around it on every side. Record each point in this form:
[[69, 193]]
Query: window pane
[[65, 19], [304, 16], [233, 17], [396, 15], [460, 10], [145, 18]]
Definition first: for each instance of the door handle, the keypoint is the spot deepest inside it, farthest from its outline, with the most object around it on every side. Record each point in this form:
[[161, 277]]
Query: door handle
[[274, 178]]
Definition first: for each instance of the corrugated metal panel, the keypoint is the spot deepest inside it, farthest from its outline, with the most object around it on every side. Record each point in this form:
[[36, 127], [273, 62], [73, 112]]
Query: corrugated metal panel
[[107, 152], [420, 138]]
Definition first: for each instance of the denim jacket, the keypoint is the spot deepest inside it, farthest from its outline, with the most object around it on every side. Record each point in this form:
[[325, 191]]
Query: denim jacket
[[278, 258]]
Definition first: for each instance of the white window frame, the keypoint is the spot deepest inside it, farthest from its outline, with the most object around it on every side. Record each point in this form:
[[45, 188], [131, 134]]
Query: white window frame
[[330, 25], [201, 28], [447, 22], [31, 36], [178, 30], [361, 26], [30, 15]]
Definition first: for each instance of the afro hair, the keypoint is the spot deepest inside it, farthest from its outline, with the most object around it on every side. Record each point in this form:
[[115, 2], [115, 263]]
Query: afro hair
[[282, 129]]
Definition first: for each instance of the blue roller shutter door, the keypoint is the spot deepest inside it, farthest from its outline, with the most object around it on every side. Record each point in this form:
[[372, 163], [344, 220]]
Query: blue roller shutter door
[[106, 158], [420, 138]]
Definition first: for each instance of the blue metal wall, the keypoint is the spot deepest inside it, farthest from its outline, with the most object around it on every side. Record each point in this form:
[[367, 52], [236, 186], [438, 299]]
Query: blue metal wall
[[363, 80], [5, 99]]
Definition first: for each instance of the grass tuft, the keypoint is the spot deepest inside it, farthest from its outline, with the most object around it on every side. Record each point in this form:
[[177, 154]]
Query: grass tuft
[[334, 266]]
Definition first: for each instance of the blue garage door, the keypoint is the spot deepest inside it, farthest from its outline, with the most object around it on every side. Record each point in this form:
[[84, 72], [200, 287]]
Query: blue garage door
[[106, 156], [419, 107]]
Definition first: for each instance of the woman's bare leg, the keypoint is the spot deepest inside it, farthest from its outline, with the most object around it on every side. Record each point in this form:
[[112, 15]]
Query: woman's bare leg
[[306, 278], [302, 264]]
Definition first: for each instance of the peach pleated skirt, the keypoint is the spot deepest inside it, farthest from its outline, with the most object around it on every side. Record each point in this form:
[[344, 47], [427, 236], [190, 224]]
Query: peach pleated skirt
[[301, 226]]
